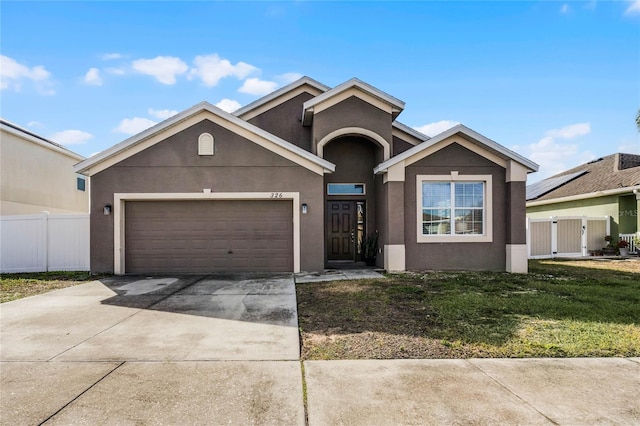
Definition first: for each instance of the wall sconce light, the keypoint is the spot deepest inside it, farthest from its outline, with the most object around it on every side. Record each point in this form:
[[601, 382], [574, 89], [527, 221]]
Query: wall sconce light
[[305, 209], [107, 210]]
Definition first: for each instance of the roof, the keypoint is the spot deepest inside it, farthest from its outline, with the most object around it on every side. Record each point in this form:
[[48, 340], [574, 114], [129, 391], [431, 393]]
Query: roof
[[294, 151], [281, 91], [487, 143], [246, 111], [538, 189], [616, 172], [13, 128], [394, 103], [411, 131]]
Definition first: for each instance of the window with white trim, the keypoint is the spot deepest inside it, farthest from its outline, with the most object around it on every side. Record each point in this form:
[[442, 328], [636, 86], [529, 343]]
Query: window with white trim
[[454, 208]]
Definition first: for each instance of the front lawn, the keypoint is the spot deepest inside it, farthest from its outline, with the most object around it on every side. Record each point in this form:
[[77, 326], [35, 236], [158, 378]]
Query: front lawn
[[17, 286], [560, 309]]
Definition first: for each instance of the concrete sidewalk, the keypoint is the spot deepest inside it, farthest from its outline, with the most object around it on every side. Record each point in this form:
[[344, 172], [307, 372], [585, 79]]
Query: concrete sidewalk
[[210, 350], [586, 391]]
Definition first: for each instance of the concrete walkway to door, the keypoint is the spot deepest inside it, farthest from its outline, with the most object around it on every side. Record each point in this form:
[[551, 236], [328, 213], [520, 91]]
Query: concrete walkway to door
[[224, 350]]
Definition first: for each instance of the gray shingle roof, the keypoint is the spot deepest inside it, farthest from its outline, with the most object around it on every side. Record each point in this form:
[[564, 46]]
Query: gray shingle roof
[[611, 172]]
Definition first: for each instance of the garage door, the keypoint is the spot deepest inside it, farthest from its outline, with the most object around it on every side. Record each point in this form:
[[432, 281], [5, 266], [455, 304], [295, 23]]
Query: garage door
[[208, 236]]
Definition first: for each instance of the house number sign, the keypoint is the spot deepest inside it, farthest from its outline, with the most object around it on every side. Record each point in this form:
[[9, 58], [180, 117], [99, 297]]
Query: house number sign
[[276, 195]]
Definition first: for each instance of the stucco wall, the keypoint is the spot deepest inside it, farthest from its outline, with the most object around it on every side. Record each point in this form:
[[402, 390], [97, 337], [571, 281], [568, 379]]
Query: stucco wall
[[352, 112], [238, 165], [34, 178], [284, 121], [400, 146], [460, 255]]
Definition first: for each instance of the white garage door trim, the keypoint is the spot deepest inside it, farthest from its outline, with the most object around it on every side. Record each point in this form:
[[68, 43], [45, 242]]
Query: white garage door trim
[[121, 198]]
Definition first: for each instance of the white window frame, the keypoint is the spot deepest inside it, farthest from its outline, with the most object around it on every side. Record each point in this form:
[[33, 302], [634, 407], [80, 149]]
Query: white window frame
[[487, 225], [84, 178]]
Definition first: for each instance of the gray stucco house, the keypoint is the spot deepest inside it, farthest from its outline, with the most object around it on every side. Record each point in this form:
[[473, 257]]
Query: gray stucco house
[[295, 180]]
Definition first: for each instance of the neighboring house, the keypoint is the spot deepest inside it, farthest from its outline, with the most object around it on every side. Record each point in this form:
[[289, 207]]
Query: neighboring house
[[295, 180], [608, 186], [37, 175]]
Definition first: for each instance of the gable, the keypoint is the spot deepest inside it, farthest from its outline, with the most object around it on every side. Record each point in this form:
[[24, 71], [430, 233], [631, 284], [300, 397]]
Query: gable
[[348, 89], [516, 166], [455, 155], [352, 112], [230, 150], [190, 117]]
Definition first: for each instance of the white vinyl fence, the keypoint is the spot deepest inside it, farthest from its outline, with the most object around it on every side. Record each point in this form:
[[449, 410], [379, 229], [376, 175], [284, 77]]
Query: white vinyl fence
[[630, 238], [571, 236], [44, 242]]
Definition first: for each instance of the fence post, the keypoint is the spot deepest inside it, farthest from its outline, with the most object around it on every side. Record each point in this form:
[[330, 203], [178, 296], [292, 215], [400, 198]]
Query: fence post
[[554, 236], [583, 237], [45, 222]]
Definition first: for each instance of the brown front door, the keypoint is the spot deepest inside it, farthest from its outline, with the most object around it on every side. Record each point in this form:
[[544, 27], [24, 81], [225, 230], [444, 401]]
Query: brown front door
[[341, 232]]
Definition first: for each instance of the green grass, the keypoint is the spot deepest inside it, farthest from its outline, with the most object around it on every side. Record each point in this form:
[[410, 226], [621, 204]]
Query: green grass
[[557, 310], [17, 286]]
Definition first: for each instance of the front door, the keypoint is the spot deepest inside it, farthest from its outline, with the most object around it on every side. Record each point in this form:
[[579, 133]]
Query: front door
[[341, 230]]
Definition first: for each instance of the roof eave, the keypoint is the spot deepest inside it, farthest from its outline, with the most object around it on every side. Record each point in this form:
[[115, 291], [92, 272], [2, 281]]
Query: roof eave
[[528, 164], [87, 164], [411, 131], [16, 130], [396, 105], [277, 93], [635, 189]]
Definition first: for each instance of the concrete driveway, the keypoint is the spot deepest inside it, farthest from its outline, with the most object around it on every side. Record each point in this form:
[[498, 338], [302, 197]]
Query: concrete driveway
[[212, 317], [131, 350]]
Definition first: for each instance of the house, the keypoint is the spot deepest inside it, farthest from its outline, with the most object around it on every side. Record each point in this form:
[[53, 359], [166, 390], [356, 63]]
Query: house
[[295, 180], [608, 186], [37, 175]]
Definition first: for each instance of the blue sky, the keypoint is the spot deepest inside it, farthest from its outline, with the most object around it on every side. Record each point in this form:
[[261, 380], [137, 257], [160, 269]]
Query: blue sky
[[557, 81]]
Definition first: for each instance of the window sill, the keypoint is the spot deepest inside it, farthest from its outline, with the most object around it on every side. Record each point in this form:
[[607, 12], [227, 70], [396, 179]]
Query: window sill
[[454, 239]]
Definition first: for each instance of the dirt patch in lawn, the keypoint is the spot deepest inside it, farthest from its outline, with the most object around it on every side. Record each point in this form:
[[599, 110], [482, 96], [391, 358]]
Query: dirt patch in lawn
[[559, 309]]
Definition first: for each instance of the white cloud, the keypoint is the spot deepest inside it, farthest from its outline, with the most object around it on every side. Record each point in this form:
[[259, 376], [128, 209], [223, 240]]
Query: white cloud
[[34, 123], [554, 154], [255, 86], [12, 75], [433, 129], [92, 77], [289, 77], [132, 126], [111, 56], [162, 114], [564, 8], [228, 105], [571, 131], [634, 8], [115, 71], [163, 68], [71, 137], [211, 69], [629, 147]]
